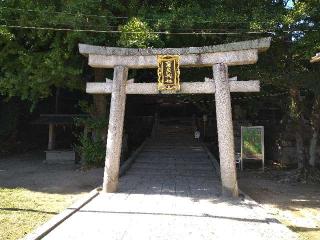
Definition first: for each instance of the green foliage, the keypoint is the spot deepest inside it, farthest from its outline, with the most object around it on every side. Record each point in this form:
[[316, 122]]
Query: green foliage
[[92, 123], [33, 62], [91, 146], [252, 146], [137, 33], [9, 118], [5, 35], [92, 152]]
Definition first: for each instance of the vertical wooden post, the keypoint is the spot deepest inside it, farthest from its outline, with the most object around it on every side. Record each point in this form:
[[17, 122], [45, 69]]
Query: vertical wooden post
[[225, 131], [51, 140], [115, 129]]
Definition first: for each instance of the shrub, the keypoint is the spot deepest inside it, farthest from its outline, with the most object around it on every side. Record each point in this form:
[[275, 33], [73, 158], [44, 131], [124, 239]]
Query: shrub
[[92, 152], [91, 144]]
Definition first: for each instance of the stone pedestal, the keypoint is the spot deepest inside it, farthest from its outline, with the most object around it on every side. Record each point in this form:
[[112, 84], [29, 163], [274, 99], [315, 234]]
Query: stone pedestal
[[60, 157], [115, 129], [225, 131]]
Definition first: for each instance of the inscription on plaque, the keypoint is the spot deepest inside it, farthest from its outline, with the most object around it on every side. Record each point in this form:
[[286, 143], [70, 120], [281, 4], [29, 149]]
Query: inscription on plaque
[[168, 73]]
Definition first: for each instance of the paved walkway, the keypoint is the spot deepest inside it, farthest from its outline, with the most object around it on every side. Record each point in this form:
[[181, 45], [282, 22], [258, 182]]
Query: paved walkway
[[171, 192]]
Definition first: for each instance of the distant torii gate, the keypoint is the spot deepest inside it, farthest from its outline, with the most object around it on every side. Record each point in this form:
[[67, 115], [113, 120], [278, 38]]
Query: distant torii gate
[[219, 57]]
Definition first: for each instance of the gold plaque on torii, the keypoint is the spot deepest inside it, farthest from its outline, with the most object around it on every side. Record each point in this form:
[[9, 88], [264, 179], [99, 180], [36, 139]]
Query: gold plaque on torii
[[168, 73]]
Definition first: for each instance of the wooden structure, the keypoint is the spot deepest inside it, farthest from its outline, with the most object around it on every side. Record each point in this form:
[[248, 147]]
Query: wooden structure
[[54, 155]]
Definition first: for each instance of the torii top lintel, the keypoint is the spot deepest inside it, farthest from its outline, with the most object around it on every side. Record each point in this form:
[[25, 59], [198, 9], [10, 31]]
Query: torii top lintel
[[237, 53]]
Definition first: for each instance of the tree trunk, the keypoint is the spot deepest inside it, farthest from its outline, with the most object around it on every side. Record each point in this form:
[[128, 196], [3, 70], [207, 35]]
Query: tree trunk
[[300, 150], [315, 122], [56, 108], [313, 149], [100, 105], [298, 124]]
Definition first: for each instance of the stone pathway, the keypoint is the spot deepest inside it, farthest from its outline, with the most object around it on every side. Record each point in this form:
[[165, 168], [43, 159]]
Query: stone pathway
[[171, 192]]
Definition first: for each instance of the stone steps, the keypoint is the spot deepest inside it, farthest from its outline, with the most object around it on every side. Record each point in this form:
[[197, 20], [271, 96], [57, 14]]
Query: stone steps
[[172, 163], [169, 165], [172, 159]]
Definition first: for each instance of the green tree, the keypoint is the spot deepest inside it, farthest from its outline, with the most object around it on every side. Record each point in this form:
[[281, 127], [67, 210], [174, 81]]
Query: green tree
[[35, 61], [136, 33], [43, 55]]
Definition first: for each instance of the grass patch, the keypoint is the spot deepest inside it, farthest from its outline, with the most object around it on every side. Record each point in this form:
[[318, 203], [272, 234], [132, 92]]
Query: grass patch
[[22, 210]]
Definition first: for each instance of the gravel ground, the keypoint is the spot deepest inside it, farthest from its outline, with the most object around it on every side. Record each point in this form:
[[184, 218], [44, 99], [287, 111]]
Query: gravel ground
[[32, 192], [296, 205], [28, 171]]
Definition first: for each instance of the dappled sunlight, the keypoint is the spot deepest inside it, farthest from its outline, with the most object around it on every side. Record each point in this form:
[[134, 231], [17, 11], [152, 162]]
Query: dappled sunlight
[[295, 205], [303, 220], [175, 205], [180, 217], [21, 210]]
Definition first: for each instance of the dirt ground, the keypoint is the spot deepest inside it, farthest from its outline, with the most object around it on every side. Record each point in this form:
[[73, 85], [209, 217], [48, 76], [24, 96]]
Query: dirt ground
[[297, 205], [31, 192], [28, 171]]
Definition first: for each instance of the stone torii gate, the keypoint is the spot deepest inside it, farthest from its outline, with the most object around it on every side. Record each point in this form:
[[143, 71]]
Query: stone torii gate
[[219, 57]]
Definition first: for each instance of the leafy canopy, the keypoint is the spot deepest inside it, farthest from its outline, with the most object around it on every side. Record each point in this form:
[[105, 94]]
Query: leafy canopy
[[34, 61]]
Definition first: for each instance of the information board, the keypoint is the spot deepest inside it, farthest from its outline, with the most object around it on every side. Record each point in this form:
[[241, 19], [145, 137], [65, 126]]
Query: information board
[[252, 144]]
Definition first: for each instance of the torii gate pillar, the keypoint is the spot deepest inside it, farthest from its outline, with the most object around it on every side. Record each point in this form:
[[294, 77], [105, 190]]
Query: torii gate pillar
[[225, 131], [115, 129]]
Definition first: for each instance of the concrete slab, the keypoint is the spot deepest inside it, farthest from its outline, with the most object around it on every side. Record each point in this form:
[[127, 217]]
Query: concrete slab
[[174, 202], [169, 216]]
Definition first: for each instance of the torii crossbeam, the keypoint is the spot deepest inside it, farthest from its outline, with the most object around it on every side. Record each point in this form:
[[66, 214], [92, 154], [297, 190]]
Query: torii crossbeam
[[218, 56]]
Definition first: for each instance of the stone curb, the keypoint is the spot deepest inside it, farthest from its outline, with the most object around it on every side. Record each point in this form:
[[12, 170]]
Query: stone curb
[[127, 164], [54, 222], [212, 159]]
